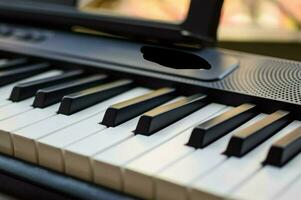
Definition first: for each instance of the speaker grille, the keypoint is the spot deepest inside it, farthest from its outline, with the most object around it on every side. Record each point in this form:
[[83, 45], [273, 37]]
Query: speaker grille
[[265, 77]]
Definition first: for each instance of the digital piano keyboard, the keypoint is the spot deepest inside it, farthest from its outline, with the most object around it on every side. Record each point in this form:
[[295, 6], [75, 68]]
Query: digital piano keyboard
[[86, 117]]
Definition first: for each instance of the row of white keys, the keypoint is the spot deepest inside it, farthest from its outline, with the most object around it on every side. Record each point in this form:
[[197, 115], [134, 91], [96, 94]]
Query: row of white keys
[[19, 121], [213, 184], [181, 174], [24, 140], [138, 174], [51, 147], [6, 90], [268, 182], [108, 165], [77, 155]]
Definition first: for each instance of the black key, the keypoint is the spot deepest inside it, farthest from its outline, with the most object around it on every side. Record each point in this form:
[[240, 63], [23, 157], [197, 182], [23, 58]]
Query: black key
[[213, 129], [54, 94], [121, 112], [28, 89], [165, 115], [10, 64], [78, 101], [250, 137], [284, 149], [14, 75]]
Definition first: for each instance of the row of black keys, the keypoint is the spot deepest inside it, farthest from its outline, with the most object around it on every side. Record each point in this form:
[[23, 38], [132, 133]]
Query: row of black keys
[[76, 91]]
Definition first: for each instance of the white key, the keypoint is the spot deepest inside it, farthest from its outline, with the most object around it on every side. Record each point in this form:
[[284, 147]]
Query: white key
[[138, 174], [4, 102], [203, 161], [82, 151], [6, 90], [50, 148], [268, 180], [13, 109], [108, 165], [22, 120], [214, 182], [291, 191], [77, 155], [24, 140]]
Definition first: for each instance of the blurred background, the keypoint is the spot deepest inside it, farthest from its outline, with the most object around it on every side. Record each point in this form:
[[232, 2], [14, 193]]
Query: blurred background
[[270, 27]]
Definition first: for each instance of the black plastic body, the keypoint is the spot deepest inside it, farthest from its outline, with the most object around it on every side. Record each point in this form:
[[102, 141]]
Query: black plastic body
[[199, 27]]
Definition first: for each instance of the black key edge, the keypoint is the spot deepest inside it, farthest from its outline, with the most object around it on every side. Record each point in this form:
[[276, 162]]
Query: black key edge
[[114, 117], [238, 147], [278, 156], [275, 157], [201, 138], [46, 98], [147, 125], [70, 105], [20, 93]]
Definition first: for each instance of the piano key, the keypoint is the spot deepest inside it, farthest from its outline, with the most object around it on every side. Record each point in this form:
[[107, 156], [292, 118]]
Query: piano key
[[13, 109], [195, 161], [51, 147], [4, 102], [284, 149], [28, 89], [12, 63], [108, 165], [54, 94], [6, 90], [138, 173], [81, 151], [20, 121], [291, 191], [13, 75], [250, 137], [78, 101], [123, 111], [162, 116], [77, 155], [211, 130], [269, 182], [183, 172], [24, 140], [213, 184]]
